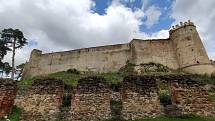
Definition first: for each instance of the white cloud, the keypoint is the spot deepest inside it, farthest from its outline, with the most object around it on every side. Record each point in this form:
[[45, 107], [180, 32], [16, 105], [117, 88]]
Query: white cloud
[[145, 4], [153, 14], [57, 25], [131, 1], [202, 13]]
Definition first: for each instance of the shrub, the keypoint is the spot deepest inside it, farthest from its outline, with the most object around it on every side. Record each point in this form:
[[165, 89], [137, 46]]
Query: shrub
[[127, 69], [15, 114], [165, 97], [73, 71]]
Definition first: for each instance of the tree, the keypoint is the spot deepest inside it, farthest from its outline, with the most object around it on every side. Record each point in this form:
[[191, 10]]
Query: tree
[[7, 68], [3, 50], [20, 68], [1, 68], [14, 39]]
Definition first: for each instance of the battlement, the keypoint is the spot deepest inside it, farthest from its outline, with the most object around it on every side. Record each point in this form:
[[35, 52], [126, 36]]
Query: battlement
[[182, 50], [181, 25]]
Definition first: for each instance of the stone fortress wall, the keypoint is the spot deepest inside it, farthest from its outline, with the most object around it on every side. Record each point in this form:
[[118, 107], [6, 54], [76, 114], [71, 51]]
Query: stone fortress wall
[[91, 99], [183, 49]]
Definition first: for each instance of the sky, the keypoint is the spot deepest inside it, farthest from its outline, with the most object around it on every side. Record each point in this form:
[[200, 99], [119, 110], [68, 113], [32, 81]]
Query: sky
[[59, 25]]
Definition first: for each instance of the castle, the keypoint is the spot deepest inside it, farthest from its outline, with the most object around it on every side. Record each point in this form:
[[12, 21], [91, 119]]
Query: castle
[[182, 50]]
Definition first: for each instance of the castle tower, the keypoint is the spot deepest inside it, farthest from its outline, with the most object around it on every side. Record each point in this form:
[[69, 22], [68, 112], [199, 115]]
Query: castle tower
[[190, 52]]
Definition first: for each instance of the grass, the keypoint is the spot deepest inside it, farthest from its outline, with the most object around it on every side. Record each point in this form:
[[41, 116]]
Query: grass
[[179, 119], [186, 118], [204, 79], [114, 79], [67, 77], [15, 114], [70, 78]]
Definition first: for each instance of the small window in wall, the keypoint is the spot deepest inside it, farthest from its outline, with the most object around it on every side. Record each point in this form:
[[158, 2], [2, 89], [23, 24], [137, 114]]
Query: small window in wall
[[197, 62], [192, 49]]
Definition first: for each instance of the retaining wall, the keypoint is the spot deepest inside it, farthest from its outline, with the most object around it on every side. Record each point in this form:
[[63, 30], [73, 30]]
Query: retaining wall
[[8, 89]]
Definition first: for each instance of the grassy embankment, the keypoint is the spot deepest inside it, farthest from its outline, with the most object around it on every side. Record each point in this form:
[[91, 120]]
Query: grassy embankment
[[72, 76]]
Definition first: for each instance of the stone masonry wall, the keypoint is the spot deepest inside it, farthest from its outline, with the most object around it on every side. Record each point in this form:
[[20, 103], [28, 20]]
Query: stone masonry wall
[[157, 51], [91, 100], [183, 48], [190, 97], [43, 101], [97, 59], [8, 89], [140, 98]]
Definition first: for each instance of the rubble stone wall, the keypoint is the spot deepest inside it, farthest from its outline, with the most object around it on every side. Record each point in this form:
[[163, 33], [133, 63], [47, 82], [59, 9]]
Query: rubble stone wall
[[8, 89], [91, 100], [43, 101], [191, 98], [140, 98]]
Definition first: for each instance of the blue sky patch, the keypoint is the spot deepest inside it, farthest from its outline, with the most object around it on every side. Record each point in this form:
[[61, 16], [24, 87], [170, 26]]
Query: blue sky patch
[[164, 6]]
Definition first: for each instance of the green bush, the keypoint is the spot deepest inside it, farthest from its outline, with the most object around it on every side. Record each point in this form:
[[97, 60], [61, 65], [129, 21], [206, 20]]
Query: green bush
[[73, 71], [15, 114], [127, 69], [204, 79], [165, 97], [213, 75]]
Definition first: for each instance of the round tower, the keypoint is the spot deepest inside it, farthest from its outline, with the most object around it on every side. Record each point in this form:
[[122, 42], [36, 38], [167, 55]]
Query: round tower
[[190, 52]]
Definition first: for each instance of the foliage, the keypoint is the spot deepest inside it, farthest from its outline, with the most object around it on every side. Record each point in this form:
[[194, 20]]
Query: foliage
[[111, 77], [73, 71], [179, 119], [15, 114], [114, 79], [3, 49], [10, 35], [6, 68], [67, 96], [165, 97], [213, 75], [184, 118], [204, 79], [20, 68], [12, 39], [67, 77], [127, 69], [116, 104]]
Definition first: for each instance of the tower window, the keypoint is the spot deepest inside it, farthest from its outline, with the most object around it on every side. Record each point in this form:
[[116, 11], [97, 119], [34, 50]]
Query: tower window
[[192, 49]]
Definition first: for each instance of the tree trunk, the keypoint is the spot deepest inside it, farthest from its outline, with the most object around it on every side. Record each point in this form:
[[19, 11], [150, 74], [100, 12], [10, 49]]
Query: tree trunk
[[2, 74], [13, 57]]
